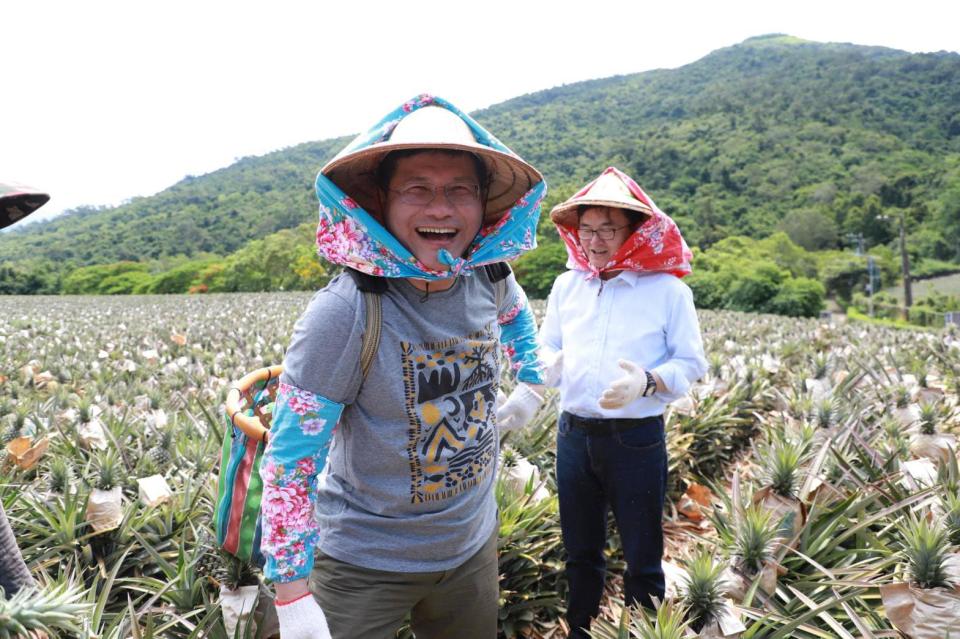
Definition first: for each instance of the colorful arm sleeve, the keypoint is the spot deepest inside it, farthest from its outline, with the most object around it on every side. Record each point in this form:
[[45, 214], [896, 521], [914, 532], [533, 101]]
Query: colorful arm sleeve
[[300, 436], [518, 335], [550, 336]]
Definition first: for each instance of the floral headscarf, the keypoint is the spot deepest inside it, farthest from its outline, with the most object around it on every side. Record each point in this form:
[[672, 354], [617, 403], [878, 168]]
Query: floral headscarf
[[348, 235], [655, 246]]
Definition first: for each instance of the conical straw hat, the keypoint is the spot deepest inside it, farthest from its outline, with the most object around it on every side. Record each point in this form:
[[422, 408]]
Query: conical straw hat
[[432, 127], [606, 190]]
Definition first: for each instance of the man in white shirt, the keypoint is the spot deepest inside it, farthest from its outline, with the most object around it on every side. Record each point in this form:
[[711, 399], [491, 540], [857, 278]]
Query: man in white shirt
[[623, 340]]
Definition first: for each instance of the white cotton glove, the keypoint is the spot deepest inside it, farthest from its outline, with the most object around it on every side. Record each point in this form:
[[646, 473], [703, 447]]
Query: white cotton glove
[[519, 409], [501, 398], [552, 369], [625, 389], [302, 619]]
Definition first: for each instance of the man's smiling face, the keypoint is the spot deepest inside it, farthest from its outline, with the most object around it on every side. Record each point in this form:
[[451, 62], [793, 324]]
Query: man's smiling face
[[602, 232], [453, 215]]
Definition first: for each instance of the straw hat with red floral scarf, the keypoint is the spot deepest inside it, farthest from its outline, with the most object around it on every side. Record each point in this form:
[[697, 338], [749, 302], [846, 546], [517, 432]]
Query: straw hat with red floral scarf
[[655, 245], [18, 201]]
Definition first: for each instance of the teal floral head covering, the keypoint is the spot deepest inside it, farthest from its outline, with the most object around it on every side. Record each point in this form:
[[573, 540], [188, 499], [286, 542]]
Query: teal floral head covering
[[350, 236]]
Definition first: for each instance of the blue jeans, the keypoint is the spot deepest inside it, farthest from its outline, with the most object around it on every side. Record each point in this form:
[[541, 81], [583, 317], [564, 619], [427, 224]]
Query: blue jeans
[[598, 467]]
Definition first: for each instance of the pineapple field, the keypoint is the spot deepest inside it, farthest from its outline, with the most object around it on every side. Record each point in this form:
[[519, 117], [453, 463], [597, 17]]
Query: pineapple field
[[814, 484]]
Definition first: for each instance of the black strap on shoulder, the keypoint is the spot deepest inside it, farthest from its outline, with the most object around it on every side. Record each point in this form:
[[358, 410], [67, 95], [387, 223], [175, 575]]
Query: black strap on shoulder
[[497, 271], [498, 274], [367, 283]]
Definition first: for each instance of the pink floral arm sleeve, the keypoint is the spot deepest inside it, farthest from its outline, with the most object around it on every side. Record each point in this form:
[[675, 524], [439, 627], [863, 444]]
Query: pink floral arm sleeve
[[518, 336], [303, 425]]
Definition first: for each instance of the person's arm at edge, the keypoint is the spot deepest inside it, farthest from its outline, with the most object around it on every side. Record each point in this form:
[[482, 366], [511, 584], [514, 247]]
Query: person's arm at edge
[[303, 427], [686, 362], [518, 334]]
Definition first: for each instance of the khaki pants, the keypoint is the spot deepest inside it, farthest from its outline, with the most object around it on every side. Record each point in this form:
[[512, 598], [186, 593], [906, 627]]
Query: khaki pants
[[460, 603]]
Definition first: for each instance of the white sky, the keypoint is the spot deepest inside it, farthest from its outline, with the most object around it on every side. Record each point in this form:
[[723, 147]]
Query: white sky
[[104, 100]]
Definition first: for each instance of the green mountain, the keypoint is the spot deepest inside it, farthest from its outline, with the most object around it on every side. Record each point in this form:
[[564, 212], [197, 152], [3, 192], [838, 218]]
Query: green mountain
[[818, 140]]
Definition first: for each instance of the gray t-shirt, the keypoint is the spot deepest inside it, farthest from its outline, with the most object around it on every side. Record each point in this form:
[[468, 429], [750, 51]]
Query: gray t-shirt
[[409, 480]]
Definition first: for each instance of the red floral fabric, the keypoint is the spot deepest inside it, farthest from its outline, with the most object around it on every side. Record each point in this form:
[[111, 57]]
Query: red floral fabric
[[655, 246]]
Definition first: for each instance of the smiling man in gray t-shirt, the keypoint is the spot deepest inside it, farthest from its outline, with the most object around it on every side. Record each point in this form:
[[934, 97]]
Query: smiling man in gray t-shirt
[[403, 517]]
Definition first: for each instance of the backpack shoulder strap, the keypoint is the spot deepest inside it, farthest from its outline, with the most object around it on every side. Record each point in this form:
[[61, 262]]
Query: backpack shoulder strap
[[498, 273], [371, 287]]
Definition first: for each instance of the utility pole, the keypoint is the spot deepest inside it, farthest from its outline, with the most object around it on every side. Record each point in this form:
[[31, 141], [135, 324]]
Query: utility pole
[[874, 281], [905, 262], [873, 273]]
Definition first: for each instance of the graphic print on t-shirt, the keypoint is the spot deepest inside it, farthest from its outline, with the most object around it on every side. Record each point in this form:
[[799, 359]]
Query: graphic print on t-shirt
[[450, 390]]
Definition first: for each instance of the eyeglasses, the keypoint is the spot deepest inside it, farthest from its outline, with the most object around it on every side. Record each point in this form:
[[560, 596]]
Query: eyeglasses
[[605, 233], [423, 194]]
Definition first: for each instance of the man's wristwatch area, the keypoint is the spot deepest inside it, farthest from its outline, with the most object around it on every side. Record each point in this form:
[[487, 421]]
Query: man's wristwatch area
[[651, 386]]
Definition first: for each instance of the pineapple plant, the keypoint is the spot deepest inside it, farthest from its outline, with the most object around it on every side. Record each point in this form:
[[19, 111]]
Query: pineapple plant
[[104, 503], [36, 613], [929, 442], [239, 592], [750, 540], [16, 427], [210, 561], [846, 547], [826, 412], [60, 475], [800, 406], [108, 471], [161, 453], [715, 365], [950, 506], [901, 396], [84, 410], [783, 460], [668, 623], [821, 365], [233, 572], [925, 546], [702, 592], [929, 417]]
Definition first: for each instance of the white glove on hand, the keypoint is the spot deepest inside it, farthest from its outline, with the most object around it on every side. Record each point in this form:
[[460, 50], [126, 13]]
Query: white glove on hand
[[302, 619], [519, 409], [625, 389], [501, 398], [552, 369]]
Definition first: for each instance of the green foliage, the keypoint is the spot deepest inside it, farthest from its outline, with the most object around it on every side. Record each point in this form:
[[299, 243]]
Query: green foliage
[[768, 276], [755, 288], [800, 297], [811, 229], [180, 278], [709, 287], [108, 279], [537, 270], [285, 260], [817, 140], [216, 213]]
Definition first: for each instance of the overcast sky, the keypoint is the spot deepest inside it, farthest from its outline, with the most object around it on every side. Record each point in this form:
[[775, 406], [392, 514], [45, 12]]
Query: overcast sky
[[104, 101]]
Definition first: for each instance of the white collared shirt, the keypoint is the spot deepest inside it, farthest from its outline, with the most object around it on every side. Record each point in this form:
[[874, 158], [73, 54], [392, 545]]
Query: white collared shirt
[[647, 318]]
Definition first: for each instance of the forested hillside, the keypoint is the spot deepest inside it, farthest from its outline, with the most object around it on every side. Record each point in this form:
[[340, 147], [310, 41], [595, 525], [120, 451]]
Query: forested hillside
[[774, 134]]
